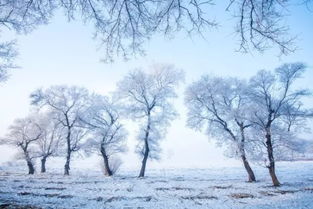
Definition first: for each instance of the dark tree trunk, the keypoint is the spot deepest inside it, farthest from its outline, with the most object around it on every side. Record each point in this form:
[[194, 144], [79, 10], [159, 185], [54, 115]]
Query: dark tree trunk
[[271, 166], [248, 169], [69, 151], [144, 160], [146, 150], [43, 164], [107, 168], [67, 164], [31, 169]]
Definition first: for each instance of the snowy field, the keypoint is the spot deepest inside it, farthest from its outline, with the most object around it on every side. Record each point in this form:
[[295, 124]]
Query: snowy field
[[177, 188]]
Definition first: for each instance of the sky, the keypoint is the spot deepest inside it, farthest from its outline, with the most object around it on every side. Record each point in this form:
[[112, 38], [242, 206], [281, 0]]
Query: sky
[[63, 52]]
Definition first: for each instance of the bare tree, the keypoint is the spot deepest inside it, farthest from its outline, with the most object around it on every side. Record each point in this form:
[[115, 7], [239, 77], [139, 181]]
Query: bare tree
[[221, 105], [146, 97], [51, 138], [107, 134], [272, 94], [23, 133], [25, 15], [122, 26], [67, 103], [260, 24]]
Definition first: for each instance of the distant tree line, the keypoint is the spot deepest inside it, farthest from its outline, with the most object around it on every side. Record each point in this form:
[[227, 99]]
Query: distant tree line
[[258, 120]]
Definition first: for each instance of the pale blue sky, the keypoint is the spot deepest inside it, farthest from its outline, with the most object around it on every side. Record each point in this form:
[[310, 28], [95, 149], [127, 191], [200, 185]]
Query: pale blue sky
[[65, 53]]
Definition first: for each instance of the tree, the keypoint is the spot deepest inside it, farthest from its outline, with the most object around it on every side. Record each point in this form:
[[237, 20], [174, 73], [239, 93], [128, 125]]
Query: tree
[[121, 25], [124, 25], [23, 133], [107, 134], [272, 94], [67, 103], [222, 105], [21, 16], [146, 97], [7, 56], [51, 138], [260, 24]]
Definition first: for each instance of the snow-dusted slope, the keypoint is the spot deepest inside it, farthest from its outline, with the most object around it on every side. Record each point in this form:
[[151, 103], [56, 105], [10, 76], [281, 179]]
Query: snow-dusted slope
[[168, 189]]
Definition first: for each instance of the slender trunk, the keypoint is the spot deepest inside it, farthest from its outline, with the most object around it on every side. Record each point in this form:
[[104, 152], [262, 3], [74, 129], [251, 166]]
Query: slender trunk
[[67, 164], [107, 168], [248, 168], [146, 151], [271, 166], [31, 169], [144, 160], [68, 156], [242, 149], [43, 164]]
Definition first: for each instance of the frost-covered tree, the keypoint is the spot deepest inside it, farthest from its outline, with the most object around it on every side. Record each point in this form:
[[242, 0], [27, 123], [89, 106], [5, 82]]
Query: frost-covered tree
[[106, 133], [147, 98], [122, 26], [221, 106], [67, 103], [273, 99], [7, 56], [21, 16], [51, 139], [23, 133]]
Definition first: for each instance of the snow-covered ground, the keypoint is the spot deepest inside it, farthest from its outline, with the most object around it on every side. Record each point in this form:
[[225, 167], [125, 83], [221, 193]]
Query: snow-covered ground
[[168, 189]]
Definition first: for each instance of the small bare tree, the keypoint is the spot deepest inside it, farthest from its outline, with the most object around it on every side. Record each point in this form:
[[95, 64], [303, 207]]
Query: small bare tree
[[222, 104], [67, 103], [274, 98], [107, 134], [146, 97], [23, 133]]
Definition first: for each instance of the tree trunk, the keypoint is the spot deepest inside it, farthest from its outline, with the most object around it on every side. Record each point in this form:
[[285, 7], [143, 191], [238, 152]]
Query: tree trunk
[[31, 169], [108, 171], [67, 164], [68, 156], [146, 153], [271, 166], [243, 153], [248, 169], [144, 160], [43, 164]]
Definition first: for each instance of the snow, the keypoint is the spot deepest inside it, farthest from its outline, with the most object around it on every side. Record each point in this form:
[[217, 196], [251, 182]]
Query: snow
[[167, 188]]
